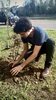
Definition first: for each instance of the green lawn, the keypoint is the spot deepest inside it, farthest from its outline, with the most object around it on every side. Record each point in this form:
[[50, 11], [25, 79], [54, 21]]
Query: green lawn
[[28, 86]]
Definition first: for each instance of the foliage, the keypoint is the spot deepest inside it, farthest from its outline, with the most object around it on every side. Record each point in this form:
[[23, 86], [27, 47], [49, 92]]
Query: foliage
[[33, 8]]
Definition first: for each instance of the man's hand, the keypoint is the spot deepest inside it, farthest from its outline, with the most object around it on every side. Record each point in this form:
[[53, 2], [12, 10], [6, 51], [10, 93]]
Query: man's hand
[[16, 70], [10, 63], [13, 63]]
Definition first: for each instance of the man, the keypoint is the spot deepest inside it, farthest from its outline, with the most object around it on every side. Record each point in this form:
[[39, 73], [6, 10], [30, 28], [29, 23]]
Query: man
[[41, 44]]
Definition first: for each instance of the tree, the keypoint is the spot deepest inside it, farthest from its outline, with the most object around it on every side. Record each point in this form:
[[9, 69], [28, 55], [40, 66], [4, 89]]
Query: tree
[[8, 9], [55, 7], [51, 6], [41, 7], [29, 7], [2, 4], [32, 6]]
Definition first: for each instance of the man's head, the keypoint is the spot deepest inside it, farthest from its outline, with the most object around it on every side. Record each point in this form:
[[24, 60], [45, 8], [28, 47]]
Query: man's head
[[22, 25]]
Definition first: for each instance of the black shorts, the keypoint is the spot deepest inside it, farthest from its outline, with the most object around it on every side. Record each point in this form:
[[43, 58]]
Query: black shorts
[[47, 48]]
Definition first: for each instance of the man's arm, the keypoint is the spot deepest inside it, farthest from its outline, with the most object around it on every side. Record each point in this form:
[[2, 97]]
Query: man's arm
[[17, 69], [32, 56]]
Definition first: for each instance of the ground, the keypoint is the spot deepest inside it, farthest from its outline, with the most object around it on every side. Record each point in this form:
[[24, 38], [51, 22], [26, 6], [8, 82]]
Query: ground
[[26, 85]]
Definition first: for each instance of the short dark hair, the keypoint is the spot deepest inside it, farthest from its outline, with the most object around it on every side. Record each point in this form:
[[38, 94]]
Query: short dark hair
[[22, 25]]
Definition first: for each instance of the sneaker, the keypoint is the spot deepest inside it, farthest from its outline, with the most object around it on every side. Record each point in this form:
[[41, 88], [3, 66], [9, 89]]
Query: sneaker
[[45, 72]]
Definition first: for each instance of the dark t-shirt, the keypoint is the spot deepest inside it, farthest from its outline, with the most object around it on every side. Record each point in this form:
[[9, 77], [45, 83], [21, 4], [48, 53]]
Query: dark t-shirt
[[39, 37]]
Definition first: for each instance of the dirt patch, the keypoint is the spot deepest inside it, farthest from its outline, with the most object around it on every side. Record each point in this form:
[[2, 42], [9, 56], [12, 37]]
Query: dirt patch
[[27, 80], [27, 74]]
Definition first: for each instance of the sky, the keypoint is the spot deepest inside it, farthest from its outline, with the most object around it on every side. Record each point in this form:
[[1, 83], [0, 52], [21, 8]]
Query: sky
[[13, 2], [19, 2]]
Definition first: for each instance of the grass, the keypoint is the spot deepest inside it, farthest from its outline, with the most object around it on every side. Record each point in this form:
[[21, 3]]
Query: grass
[[28, 86]]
